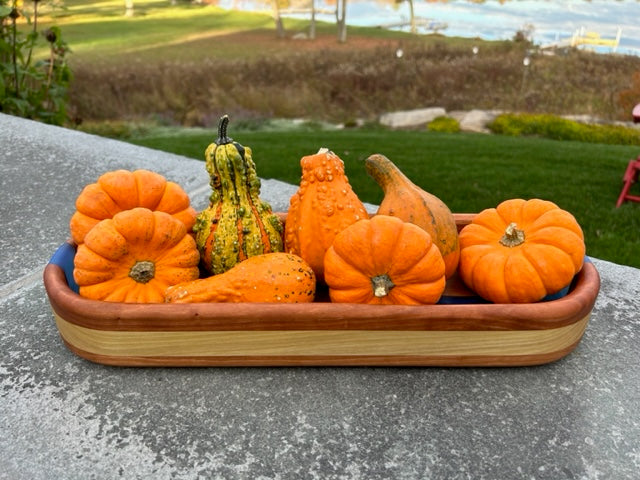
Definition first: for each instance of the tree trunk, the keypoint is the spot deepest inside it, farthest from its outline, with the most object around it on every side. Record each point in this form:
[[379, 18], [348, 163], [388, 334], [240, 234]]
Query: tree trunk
[[413, 17], [128, 8], [278, 19], [341, 14], [312, 27]]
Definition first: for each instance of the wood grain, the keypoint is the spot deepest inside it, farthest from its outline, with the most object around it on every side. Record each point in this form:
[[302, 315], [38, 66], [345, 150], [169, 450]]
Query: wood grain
[[454, 348], [322, 315]]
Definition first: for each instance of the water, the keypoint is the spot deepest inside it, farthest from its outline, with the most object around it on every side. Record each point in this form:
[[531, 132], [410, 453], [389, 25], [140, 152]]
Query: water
[[551, 20]]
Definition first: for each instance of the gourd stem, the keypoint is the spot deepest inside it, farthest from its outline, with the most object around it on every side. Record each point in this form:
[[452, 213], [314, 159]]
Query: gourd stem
[[222, 131], [513, 236], [381, 285], [143, 271]]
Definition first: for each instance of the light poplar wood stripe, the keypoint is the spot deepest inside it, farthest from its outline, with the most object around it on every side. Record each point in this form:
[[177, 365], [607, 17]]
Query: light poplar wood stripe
[[320, 342]]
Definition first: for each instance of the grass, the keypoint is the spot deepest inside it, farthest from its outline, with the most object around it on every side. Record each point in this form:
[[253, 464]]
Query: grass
[[99, 33], [186, 65], [469, 172]]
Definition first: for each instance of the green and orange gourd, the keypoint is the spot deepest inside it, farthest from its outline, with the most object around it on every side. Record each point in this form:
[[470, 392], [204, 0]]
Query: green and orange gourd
[[237, 224]]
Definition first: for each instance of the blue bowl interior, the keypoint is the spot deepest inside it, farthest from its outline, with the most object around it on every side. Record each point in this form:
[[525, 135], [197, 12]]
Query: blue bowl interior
[[63, 257]]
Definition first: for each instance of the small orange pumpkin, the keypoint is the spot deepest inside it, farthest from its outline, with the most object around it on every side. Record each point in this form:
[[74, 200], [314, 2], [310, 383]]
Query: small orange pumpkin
[[521, 251], [134, 257], [384, 260], [120, 190]]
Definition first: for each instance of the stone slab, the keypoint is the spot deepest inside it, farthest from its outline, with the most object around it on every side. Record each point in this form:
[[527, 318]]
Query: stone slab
[[62, 417], [43, 169]]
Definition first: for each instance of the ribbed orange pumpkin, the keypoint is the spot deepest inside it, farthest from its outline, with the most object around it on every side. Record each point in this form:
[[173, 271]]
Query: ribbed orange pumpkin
[[120, 190], [323, 206], [521, 251], [384, 261], [134, 257]]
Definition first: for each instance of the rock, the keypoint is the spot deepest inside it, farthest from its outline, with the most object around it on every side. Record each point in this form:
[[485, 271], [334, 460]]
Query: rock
[[411, 118], [477, 121], [457, 114]]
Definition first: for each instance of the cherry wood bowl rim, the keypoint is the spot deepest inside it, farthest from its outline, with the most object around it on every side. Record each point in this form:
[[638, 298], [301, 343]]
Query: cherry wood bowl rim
[[99, 315]]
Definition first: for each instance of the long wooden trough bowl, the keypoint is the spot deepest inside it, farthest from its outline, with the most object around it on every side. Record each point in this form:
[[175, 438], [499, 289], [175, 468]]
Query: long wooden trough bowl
[[456, 333]]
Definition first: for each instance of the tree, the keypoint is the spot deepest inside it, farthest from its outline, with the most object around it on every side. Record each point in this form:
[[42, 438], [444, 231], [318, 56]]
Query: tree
[[412, 15], [280, 7], [275, 5], [312, 25], [341, 20], [128, 8]]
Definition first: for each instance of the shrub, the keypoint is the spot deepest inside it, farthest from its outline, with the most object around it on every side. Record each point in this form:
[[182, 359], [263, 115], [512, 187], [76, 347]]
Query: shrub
[[558, 128], [114, 129], [29, 88], [444, 124], [630, 97]]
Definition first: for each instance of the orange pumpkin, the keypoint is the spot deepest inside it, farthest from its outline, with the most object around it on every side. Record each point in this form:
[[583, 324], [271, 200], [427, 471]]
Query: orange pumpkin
[[521, 251], [408, 202], [323, 205], [134, 257], [384, 261], [120, 190]]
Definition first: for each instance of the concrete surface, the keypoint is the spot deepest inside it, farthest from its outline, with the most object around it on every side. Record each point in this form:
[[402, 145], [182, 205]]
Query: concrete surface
[[62, 417]]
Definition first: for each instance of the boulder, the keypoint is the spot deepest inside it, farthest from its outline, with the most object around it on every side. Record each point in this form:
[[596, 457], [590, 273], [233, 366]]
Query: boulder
[[477, 121], [411, 118]]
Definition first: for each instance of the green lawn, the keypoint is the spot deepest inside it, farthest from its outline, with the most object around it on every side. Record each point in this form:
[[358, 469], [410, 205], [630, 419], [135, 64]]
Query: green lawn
[[469, 172], [98, 31]]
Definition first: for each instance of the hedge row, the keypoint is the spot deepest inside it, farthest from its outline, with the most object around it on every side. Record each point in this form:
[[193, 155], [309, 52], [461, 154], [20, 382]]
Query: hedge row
[[558, 128]]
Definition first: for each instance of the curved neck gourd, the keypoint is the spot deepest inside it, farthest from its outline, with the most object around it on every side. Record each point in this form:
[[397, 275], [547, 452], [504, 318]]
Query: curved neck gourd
[[409, 202]]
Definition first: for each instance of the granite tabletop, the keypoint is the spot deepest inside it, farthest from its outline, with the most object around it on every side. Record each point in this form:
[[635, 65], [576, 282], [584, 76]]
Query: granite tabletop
[[63, 417]]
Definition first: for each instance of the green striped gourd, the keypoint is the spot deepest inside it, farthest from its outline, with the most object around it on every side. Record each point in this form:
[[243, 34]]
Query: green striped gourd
[[237, 224]]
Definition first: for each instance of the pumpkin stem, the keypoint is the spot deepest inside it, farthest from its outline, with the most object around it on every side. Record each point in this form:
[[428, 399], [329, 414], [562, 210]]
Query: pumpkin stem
[[513, 236], [143, 271], [222, 131], [382, 285]]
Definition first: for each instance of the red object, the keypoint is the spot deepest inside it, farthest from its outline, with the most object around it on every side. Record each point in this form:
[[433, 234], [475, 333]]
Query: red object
[[636, 113], [630, 177]]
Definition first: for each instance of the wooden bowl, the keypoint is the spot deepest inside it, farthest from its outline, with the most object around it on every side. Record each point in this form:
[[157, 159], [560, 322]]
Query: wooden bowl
[[460, 331]]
